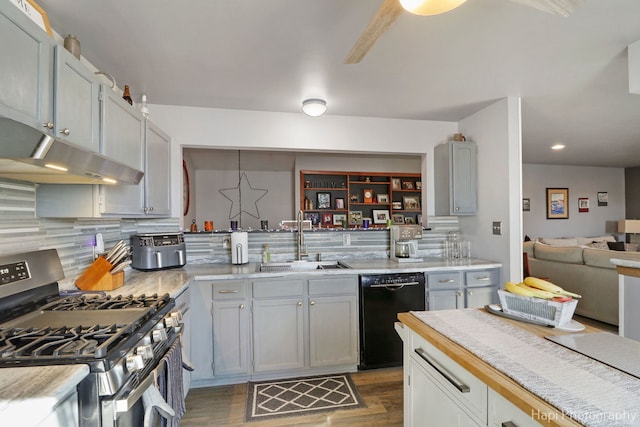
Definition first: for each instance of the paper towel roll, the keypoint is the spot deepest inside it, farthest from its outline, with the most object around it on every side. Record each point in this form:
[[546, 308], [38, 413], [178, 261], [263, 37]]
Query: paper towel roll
[[239, 247]]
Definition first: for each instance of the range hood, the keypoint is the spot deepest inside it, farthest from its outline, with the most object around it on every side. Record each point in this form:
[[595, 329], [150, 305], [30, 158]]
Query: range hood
[[27, 154]]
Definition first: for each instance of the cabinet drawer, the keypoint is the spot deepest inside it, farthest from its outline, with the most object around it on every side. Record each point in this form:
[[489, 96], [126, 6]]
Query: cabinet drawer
[[460, 384], [277, 288], [449, 280], [501, 412], [231, 289], [335, 285], [482, 278]]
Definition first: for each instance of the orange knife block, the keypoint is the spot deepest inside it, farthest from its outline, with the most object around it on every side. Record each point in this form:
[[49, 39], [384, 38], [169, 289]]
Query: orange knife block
[[98, 277]]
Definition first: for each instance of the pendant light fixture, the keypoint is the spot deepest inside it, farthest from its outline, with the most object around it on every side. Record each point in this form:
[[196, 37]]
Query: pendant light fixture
[[430, 7], [314, 107]]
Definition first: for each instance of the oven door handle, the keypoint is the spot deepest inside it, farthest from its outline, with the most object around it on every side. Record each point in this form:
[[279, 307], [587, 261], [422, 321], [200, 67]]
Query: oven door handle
[[146, 387]]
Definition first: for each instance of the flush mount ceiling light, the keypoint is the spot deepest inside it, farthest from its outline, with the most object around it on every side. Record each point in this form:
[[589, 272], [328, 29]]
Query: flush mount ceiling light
[[558, 147], [314, 107], [430, 7]]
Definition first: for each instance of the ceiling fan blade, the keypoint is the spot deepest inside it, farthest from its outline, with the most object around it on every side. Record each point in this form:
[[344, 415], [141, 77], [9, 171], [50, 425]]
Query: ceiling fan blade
[[557, 7], [384, 17]]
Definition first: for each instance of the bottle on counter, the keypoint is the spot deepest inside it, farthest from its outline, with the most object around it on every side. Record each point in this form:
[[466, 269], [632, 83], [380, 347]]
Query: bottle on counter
[[266, 254], [126, 95]]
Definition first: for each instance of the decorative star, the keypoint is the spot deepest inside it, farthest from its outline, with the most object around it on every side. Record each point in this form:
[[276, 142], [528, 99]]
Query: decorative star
[[244, 197]]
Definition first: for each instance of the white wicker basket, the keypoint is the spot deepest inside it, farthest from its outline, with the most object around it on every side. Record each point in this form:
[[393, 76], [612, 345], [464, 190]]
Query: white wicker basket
[[551, 313]]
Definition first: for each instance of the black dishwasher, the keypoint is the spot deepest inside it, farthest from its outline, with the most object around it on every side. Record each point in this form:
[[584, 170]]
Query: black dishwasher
[[382, 297]]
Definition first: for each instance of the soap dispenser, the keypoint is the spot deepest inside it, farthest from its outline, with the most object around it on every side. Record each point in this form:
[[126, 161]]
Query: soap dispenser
[[266, 254]]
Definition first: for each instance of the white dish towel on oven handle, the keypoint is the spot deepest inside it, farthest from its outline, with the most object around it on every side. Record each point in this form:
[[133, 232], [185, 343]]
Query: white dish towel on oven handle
[[152, 399]]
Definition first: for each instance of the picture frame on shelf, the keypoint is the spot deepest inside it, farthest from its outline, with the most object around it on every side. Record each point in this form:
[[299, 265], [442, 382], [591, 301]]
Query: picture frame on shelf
[[380, 216], [327, 219], [418, 185], [411, 202], [324, 200], [383, 198], [35, 13], [339, 201], [396, 184], [409, 220], [420, 219], [407, 185], [396, 205], [398, 219], [355, 218], [338, 219], [557, 203], [314, 217]]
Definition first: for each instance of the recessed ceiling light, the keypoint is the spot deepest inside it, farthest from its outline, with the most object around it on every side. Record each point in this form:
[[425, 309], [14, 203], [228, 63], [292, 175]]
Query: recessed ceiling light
[[557, 147]]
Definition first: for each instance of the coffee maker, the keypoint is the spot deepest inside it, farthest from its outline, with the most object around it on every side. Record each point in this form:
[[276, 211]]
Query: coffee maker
[[404, 243]]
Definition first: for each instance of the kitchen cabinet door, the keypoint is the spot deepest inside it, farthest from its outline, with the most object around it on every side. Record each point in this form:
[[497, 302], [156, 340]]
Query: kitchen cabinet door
[[455, 178], [479, 297], [278, 334], [231, 337], [445, 300], [333, 330], [201, 331], [156, 176], [26, 70], [76, 105], [122, 139], [504, 413]]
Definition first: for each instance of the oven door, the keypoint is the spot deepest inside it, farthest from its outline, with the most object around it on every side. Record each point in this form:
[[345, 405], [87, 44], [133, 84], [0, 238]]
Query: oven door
[[141, 404]]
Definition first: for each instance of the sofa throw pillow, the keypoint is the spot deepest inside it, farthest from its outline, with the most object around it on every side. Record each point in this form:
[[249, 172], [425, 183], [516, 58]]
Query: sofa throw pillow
[[599, 245], [560, 242], [616, 246]]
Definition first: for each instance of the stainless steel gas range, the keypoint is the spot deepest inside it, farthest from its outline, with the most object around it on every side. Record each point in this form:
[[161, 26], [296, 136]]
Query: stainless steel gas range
[[130, 343]]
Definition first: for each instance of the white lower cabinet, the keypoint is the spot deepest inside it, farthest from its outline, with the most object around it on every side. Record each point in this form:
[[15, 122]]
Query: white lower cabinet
[[503, 413], [440, 392]]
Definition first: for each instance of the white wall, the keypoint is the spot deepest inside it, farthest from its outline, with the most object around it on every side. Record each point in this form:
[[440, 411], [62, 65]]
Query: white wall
[[220, 128], [497, 131], [581, 181]]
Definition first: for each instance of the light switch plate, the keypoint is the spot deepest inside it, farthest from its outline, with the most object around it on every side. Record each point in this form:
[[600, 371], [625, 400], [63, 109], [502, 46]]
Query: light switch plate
[[497, 228], [346, 239]]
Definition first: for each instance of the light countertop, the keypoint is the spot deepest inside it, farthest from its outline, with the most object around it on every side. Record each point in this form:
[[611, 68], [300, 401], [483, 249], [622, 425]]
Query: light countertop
[[28, 395], [174, 281]]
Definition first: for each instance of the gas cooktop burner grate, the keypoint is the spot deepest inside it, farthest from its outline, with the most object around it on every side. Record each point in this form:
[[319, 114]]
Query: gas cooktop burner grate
[[53, 343], [106, 303]]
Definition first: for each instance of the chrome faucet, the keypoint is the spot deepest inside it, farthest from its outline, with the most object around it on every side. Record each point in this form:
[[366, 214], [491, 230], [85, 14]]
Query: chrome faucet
[[302, 249]]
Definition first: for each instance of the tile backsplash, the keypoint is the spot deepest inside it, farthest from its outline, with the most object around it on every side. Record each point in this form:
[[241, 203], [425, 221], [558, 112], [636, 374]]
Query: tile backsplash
[[21, 231]]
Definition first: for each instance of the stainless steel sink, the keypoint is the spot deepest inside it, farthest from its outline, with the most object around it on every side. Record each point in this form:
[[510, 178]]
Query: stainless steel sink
[[300, 266]]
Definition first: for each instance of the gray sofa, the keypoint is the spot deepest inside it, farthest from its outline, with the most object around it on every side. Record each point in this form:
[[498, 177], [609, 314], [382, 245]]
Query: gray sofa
[[583, 270]]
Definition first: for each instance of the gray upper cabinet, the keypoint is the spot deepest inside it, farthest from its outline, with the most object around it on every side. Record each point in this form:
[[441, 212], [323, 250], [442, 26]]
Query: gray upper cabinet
[[122, 134], [156, 176], [76, 106], [27, 67], [455, 176]]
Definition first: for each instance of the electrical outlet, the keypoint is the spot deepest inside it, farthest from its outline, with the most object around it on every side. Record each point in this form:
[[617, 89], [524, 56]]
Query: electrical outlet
[[226, 242], [346, 239], [497, 228]]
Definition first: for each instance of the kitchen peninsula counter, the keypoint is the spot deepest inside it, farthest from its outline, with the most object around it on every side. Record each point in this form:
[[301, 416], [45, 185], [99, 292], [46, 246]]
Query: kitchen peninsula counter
[[554, 385]]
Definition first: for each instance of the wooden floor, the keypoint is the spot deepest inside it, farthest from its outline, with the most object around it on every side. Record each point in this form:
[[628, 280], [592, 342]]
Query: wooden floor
[[224, 406]]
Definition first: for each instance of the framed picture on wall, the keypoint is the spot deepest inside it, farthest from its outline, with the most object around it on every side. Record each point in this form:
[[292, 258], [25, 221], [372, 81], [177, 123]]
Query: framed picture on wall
[[603, 198], [526, 205], [583, 204], [557, 203]]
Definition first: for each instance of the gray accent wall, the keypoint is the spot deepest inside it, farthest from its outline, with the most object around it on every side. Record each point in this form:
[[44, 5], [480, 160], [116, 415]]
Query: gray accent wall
[[582, 181]]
